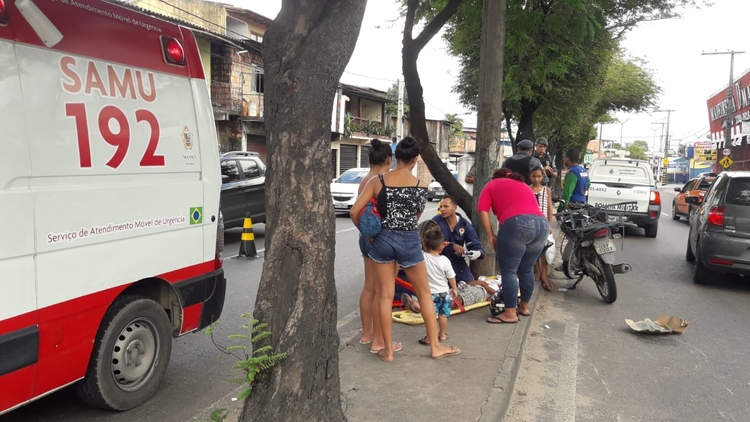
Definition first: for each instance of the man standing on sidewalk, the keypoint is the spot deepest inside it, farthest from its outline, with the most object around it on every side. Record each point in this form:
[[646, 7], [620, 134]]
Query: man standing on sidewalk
[[522, 162], [547, 163], [577, 182]]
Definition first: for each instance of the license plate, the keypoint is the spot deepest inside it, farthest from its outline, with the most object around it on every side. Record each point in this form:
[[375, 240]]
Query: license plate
[[340, 205], [604, 247]]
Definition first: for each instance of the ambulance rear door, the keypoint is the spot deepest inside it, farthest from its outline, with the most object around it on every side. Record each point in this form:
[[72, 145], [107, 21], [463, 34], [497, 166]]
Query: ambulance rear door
[[19, 332]]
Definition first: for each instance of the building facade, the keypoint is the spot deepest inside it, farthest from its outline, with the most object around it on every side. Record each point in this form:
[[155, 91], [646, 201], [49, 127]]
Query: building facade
[[719, 107]]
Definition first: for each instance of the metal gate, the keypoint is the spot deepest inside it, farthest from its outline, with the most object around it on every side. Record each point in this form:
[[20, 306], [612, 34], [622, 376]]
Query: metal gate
[[258, 144], [348, 156], [364, 157]]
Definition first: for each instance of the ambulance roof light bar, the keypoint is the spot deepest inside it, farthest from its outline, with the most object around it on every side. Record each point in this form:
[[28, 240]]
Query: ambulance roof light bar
[[174, 53]]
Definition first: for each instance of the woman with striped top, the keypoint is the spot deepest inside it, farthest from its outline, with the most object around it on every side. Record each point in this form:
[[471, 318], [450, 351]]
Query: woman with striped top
[[544, 198]]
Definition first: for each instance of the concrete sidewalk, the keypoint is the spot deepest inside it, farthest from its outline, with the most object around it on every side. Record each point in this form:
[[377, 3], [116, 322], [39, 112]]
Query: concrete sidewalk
[[474, 386]]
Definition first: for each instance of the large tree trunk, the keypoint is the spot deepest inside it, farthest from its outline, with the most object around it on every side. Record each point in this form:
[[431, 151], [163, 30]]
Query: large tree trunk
[[297, 293], [526, 122], [490, 116], [410, 53]]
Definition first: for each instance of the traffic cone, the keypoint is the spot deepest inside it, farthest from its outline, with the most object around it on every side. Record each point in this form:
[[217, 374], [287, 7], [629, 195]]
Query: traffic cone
[[247, 241]]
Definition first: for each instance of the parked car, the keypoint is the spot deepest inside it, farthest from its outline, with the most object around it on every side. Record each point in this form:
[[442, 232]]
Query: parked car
[[618, 180], [344, 188], [719, 237], [435, 189], [695, 187], [243, 188]]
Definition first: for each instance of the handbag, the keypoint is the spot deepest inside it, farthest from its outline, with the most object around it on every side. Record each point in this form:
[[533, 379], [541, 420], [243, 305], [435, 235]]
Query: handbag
[[370, 222]]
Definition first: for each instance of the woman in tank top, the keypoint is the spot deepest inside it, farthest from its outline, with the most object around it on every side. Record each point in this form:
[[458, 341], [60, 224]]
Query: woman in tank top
[[380, 162], [401, 201]]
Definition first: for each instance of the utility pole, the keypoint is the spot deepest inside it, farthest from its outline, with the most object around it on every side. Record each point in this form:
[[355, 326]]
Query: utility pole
[[729, 122], [653, 145], [666, 146], [400, 118]]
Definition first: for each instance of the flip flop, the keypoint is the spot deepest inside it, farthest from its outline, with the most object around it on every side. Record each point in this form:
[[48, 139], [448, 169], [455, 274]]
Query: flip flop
[[408, 302], [443, 338], [365, 342], [423, 341], [522, 314], [397, 347], [547, 287], [454, 352], [496, 320]]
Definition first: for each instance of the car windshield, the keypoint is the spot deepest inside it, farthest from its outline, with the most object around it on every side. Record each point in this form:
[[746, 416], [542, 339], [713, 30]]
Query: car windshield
[[738, 192], [352, 176]]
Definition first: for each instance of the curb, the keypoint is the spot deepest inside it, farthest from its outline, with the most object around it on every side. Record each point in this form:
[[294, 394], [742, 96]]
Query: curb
[[498, 401], [499, 398]]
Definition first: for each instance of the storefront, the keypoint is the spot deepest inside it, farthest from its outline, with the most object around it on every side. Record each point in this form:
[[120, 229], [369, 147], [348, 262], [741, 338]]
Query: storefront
[[738, 149]]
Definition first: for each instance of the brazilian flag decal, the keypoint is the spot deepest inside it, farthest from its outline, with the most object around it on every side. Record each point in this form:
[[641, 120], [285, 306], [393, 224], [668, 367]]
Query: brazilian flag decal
[[196, 215]]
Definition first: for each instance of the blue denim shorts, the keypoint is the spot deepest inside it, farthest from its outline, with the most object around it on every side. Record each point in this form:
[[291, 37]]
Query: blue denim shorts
[[404, 247], [442, 303], [365, 246]]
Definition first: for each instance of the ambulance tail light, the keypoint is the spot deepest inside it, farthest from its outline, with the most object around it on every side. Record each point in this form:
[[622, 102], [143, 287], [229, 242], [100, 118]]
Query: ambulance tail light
[[3, 12], [174, 53]]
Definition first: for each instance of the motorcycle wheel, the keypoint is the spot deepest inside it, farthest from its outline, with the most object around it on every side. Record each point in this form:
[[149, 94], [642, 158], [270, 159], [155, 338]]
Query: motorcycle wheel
[[605, 282], [566, 265]]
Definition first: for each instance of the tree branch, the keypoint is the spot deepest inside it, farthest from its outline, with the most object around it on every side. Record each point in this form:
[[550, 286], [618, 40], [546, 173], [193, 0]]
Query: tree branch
[[436, 24], [411, 12], [508, 128]]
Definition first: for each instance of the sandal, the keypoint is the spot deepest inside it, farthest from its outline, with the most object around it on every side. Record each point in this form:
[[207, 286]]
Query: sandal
[[443, 338], [424, 341], [454, 352], [496, 320], [397, 347]]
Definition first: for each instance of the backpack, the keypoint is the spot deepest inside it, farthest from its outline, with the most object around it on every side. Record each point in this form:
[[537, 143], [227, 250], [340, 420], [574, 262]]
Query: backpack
[[370, 222]]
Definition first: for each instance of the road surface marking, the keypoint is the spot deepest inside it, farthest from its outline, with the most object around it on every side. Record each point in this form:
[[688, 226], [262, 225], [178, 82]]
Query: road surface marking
[[666, 215], [566, 385]]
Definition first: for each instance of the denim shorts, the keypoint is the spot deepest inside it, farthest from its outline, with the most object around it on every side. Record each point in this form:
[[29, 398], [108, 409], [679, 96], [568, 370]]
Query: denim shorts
[[442, 303], [365, 246], [404, 247]]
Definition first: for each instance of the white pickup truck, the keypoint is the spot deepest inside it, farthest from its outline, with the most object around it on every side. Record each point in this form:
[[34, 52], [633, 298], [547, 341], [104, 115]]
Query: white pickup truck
[[617, 180]]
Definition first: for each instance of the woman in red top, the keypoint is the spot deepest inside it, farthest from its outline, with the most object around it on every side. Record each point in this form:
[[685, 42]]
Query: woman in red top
[[521, 237]]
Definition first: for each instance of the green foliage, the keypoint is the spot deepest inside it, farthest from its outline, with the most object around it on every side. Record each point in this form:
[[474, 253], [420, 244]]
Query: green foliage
[[251, 360], [392, 106], [219, 415], [636, 151], [642, 144], [348, 125], [457, 125], [563, 68]]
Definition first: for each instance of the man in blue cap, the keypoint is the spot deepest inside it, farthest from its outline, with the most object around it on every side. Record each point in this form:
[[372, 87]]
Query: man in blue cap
[[522, 162]]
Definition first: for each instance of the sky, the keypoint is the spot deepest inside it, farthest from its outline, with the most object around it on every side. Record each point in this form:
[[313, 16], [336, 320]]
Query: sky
[[671, 48]]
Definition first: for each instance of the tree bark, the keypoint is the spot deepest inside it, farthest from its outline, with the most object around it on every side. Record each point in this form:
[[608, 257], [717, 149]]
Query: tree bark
[[490, 114], [410, 53], [526, 121], [305, 52]]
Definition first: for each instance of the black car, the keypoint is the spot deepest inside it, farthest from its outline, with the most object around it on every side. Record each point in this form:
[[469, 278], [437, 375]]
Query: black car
[[243, 188], [719, 239]]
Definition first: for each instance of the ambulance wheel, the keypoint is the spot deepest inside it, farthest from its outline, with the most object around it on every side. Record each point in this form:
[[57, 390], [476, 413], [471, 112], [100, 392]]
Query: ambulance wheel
[[130, 355]]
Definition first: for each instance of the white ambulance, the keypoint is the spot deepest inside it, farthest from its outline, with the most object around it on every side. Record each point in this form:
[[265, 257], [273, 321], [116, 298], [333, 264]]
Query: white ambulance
[[109, 200]]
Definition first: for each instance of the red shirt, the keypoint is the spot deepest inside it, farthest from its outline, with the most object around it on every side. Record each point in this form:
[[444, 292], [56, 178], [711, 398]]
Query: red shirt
[[508, 198]]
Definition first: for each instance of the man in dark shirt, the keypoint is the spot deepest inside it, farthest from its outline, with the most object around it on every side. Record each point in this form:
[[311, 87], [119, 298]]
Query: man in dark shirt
[[547, 163], [522, 162], [461, 237]]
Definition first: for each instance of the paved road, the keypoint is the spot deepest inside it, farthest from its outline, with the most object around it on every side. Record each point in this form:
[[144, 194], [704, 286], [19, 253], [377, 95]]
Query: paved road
[[582, 363], [198, 373]]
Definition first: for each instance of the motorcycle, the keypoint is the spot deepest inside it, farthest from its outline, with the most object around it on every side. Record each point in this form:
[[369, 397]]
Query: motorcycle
[[588, 246]]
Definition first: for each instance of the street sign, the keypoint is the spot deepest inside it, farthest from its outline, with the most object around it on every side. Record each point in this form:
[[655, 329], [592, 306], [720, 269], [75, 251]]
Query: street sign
[[727, 152], [666, 162], [726, 162]]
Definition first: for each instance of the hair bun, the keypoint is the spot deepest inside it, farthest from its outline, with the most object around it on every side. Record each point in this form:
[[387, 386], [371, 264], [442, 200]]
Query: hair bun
[[375, 143], [408, 142]]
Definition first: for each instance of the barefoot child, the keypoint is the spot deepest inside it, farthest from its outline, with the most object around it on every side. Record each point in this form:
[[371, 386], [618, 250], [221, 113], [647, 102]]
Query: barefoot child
[[439, 274], [544, 197]]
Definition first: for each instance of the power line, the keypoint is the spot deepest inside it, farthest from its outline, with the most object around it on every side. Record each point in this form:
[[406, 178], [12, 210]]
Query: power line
[[201, 18], [371, 77]]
